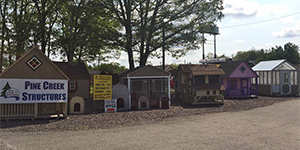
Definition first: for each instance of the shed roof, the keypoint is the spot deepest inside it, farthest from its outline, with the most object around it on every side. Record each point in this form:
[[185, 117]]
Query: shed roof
[[209, 69], [229, 67], [145, 71], [44, 72], [267, 65], [74, 70]]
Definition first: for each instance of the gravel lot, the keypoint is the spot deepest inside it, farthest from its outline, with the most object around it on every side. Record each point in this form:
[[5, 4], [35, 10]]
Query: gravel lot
[[130, 118]]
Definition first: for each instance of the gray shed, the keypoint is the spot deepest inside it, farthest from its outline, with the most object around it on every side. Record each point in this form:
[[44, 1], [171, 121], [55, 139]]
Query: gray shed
[[121, 93], [147, 85], [276, 77]]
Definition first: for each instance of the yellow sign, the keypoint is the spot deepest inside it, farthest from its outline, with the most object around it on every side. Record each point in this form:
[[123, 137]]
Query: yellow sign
[[102, 87]]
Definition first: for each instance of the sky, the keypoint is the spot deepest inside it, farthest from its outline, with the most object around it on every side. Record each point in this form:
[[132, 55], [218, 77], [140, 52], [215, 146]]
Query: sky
[[247, 24]]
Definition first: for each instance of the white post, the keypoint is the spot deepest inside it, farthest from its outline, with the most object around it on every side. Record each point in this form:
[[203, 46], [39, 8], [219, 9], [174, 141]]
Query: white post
[[128, 83], [35, 110], [169, 90]]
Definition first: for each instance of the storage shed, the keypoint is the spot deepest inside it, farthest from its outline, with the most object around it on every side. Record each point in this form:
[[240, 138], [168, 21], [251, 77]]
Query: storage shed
[[237, 79], [121, 94], [147, 85], [199, 84], [79, 84], [33, 87], [276, 77]]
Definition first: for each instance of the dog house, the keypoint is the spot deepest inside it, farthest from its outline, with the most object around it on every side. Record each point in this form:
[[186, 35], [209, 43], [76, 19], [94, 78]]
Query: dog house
[[121, 93], [77, 105], [33, 87], [276, 77], [147, 85], [164, 102]]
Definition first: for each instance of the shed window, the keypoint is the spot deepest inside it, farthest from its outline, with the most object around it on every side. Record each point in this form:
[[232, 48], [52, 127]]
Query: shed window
[[72, 85], [214, 92], [207, 92], [214, 79], [285, 77], [199, 80], [232, 84]]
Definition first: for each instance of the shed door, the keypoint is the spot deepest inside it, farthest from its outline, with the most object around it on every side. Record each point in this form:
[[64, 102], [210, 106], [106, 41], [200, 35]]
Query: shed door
[[244, 87], [285, 82]]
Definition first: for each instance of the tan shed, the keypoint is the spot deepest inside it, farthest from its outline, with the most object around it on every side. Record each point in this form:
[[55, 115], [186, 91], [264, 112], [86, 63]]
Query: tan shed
[[33, 87]]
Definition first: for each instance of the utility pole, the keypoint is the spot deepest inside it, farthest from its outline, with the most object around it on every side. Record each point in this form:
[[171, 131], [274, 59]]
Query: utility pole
[[163, 48], [203, 55]]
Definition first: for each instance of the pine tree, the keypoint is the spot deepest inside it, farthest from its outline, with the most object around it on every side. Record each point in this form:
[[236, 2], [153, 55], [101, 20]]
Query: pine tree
[[5, 88]]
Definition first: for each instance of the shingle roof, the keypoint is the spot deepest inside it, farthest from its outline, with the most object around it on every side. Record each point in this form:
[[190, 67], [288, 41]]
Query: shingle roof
[[74, 70], [187, 67], [267, 65], [229, 67], [209, 69], [297, 66]]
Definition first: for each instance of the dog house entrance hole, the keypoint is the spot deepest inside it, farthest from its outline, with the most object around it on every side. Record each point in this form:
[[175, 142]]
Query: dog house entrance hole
[[144, 105], [76, 107], [120, 103]]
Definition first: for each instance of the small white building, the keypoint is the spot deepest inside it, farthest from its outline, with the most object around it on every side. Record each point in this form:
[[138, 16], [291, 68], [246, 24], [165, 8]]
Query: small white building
[[276, 77]]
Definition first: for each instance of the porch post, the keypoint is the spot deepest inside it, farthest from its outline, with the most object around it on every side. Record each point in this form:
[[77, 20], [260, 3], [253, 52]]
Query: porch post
[[169, 91], [256, 86], [128, 83], [228, 86]]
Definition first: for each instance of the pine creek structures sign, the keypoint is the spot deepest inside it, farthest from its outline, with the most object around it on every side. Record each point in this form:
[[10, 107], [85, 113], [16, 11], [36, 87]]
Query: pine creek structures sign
[[33, 91], [102, 87]]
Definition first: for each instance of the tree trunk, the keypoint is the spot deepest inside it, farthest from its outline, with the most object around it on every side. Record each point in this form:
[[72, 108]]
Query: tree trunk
[[128, 46], [3, 33], [43, 36]]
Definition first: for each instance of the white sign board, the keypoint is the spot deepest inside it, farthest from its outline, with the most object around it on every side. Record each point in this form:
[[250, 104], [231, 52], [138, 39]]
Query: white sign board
[[110, 105], [33, 91]]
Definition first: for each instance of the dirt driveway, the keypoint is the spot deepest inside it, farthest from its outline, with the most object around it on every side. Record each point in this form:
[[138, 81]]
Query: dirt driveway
[[272, 127]]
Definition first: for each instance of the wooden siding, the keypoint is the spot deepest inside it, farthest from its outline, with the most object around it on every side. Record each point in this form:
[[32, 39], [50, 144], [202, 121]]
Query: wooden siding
[[248, 73], [83, 89]]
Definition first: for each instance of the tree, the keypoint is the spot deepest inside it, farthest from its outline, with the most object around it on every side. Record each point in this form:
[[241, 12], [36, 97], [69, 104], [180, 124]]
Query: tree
[[292, 53], [145, 20], [21, 20], [86, 30], [45, 10], [4, 14], [113, 67]]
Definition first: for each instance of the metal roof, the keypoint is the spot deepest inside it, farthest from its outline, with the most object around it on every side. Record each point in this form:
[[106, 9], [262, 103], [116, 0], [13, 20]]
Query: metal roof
[[267, 65]]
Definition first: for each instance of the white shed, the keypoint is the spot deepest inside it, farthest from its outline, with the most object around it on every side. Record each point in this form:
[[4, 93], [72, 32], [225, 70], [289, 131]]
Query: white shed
[[121, 93], [276, 77]]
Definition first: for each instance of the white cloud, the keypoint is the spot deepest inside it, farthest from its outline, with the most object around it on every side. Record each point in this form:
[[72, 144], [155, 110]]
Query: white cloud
[[288, 32], [287, 20], [238, 41], [245, 8], [268, 44]]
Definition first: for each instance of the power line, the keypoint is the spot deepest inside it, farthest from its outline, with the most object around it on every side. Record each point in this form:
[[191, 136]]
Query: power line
[[297, 13]]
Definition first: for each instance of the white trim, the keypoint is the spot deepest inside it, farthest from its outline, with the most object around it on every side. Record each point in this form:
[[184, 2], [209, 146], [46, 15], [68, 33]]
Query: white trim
[[128, 83], [148, 77]]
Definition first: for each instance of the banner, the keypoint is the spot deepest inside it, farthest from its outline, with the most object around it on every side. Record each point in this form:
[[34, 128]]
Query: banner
[[33, 91], [102, 87]]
